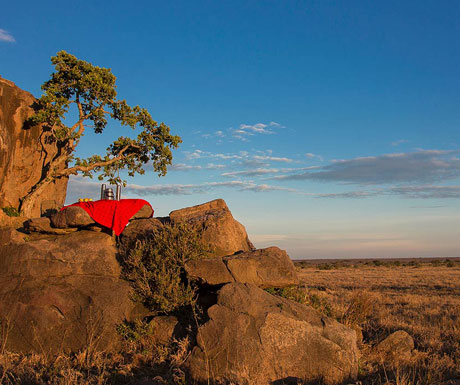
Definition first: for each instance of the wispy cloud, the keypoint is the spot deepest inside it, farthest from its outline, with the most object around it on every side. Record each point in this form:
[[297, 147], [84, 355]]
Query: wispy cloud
[[256, 172], [273, 158], [6, 36], [79, 187], [246, 130], [244, 156], [423, 166], [188, 167], [310, 155], [427, 191], [398, 142], [412, 192], [183, 167]]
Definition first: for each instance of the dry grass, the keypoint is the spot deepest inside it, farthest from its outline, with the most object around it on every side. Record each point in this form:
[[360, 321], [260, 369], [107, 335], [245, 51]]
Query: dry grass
[[421, 298]]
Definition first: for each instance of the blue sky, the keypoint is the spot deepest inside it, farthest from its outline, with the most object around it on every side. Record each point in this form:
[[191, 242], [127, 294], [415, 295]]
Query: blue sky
[[331, 128]]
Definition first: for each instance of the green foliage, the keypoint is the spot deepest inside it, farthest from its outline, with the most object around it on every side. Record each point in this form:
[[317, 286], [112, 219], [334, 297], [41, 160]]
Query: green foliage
[[134, 331], [155, 267], [325, 266], [11, 211], [91, 90]]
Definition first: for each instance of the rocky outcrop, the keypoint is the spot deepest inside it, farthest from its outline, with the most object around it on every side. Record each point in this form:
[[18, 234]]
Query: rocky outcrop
[[24, 152], [219, 229], [62, 293], [270, 267], [253, 337]]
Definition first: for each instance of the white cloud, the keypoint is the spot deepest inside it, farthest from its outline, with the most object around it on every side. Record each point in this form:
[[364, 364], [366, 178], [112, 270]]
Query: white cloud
[[310, 155], [398, 142], [273, 158], [256, 172], [81, 187], [6, 36], [183, 167], [195, 154], [246, 130]]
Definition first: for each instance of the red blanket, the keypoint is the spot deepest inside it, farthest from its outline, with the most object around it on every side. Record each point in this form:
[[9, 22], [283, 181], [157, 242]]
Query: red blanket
[[112, 214]]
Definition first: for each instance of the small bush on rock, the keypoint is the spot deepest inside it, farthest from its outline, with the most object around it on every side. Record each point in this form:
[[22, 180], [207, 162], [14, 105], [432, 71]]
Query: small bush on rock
[[11, 211], [155, 267]]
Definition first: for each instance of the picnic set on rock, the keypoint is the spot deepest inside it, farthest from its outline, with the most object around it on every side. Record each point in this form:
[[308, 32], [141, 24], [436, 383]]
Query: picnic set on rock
[[111, 211]]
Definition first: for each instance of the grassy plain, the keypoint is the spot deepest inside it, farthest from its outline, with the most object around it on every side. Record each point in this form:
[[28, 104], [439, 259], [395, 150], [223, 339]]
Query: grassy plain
[[421, 297]]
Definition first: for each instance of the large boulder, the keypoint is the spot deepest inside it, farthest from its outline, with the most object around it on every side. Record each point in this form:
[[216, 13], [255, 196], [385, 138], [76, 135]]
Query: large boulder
[[253, 337], [62, 293], [270, 267], [43, 225], [138, 229], [24, 152], [218, 227], [73, 216]]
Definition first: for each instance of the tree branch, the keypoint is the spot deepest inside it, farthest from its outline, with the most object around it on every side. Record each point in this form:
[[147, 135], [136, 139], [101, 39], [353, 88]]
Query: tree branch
[[74, 170]]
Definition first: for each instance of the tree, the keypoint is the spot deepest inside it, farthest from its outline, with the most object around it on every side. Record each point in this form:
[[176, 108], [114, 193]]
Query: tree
[[91, 92]]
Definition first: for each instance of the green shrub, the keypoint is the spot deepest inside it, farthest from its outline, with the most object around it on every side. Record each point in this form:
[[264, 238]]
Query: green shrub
[[11, 211], [155, 267]]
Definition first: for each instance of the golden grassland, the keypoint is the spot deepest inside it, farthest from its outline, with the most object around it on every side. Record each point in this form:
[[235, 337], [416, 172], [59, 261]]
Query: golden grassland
[[421, 298], [375, 298]]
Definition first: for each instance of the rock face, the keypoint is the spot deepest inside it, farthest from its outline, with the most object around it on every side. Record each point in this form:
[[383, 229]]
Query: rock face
[[12, 236], [255, 338], [24, 151], [62, 292], [270, 267], [220, 230]]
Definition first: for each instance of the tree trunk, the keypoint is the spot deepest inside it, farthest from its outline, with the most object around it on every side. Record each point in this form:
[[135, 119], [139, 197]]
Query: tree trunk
[[28, 202]]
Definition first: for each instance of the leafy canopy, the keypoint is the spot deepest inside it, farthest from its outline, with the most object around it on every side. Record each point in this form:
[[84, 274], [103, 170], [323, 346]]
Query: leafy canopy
[[92, 90]]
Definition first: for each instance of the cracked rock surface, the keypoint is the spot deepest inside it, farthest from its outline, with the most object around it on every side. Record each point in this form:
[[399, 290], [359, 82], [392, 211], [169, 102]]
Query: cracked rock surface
[[253, 337]]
